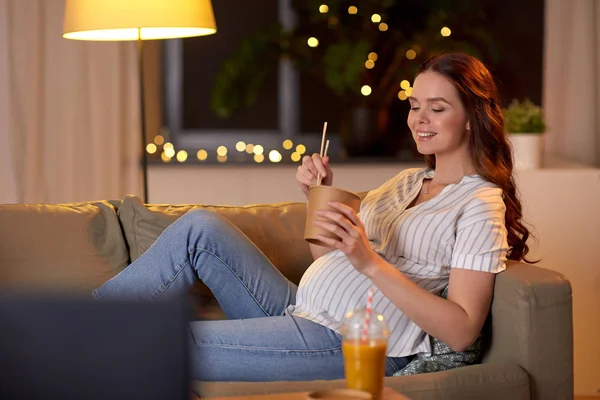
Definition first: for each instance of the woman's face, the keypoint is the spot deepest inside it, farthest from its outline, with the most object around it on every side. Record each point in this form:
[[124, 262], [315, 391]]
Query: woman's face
[[437, 117]]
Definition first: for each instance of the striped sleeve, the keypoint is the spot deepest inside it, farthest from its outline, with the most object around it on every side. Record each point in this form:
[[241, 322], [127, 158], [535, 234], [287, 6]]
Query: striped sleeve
[[481, 238]]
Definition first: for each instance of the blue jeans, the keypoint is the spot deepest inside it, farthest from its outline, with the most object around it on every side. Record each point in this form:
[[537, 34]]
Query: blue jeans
[[258, 342]]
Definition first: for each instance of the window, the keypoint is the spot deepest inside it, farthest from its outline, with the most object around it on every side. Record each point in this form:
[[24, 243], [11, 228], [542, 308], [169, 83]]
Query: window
[[292, 105]]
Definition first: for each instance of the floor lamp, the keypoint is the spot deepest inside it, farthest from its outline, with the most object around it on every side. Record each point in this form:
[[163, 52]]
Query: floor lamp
[[121, 20]]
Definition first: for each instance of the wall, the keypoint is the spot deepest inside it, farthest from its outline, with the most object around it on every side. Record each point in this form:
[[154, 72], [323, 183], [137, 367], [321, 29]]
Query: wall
[[235, 185], [560, 201]]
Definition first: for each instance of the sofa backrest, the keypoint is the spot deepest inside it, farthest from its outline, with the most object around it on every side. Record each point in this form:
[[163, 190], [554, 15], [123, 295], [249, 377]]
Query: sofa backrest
[[532, 326], [74, 247]]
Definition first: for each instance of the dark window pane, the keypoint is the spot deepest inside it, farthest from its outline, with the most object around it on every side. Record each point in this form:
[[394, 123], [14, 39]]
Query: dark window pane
[[202, 58], [317, 105], [518, 26]]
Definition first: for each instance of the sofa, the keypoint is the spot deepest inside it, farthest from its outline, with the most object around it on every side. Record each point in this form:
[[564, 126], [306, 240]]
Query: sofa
[[73, 248]]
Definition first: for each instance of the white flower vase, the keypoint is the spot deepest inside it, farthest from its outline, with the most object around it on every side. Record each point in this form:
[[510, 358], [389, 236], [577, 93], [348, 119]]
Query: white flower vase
[[527, 150]]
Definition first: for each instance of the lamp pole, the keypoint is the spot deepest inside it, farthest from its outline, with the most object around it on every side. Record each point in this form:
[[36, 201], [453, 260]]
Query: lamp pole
[[140, 45]]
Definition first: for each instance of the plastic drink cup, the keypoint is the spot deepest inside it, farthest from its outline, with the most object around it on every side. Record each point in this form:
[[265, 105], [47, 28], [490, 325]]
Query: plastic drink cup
[[364, 351]]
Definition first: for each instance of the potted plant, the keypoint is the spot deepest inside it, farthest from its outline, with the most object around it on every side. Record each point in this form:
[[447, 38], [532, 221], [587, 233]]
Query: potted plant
[[525, 125], [362, 55]]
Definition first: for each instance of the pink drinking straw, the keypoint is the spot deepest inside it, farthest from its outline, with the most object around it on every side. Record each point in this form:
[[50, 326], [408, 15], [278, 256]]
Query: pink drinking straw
[[368, 313]]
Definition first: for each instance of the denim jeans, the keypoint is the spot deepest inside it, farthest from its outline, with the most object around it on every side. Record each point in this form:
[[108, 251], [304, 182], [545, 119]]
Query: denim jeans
[[257, 342]]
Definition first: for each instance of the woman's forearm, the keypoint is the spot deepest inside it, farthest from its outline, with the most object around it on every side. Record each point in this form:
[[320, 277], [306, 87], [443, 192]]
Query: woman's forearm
[[441, 318]]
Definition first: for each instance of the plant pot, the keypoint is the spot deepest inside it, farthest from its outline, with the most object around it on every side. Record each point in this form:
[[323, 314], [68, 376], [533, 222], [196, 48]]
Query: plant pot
[[527, 150]]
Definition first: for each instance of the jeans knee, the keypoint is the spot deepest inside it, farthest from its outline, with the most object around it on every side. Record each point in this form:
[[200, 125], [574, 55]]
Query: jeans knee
[[203, 220]]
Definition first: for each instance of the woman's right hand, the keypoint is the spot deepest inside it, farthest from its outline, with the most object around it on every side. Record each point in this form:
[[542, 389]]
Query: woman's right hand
[[306, 175]]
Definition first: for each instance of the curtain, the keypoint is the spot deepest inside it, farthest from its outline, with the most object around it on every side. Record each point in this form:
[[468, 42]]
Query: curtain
[[8, 183], [571, 88], [69, 112]]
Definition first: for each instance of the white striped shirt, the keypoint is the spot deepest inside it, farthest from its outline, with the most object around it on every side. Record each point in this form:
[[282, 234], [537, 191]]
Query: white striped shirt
[[462, 227]]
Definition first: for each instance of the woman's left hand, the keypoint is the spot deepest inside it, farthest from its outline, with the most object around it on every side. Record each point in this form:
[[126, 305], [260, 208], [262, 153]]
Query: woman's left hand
[[351, 236]]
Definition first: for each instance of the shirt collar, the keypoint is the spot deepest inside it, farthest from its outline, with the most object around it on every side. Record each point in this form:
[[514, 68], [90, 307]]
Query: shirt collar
[[429, 173]]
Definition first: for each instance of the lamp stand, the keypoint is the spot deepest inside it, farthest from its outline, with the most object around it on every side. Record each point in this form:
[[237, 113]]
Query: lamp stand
[[140, 45]]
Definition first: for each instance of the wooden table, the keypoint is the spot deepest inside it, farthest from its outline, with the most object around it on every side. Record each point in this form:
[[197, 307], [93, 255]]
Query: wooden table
[[388, 394]]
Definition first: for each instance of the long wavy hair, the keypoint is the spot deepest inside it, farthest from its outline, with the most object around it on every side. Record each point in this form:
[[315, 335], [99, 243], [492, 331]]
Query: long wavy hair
[[489, 146]]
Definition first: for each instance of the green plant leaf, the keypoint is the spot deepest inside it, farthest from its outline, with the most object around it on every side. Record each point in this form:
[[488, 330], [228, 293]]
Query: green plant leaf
[[524, 117]]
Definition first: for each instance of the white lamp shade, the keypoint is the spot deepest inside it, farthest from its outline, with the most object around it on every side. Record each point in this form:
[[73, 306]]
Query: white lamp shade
[[120, 19]]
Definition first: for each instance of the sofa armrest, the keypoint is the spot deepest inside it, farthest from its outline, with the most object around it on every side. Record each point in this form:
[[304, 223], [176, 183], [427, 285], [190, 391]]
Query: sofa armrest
[[532, 326]]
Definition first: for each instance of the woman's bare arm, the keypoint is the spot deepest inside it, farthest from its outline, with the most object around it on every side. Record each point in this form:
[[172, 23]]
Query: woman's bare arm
[[456, 321]]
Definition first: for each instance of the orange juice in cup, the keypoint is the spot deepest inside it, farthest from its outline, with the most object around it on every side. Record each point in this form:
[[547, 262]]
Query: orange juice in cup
[[364, 364], [364, 347]]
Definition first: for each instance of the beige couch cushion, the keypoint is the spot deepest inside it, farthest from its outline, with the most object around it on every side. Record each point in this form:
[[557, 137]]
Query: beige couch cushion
[[142, 224], [486, 381], [74, 247]]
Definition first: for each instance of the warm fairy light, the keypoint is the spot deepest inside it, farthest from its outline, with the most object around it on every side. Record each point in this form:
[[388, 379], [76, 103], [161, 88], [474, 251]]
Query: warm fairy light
[[402, 95], [376, 18], [168, 146], [446, 31], [287, 144], [323, 8], [222, 150], [408, 91], [165, 157], [300, 149], [222, 158], [405, 84], [240, 146], [249, 148], [182, 155], [352, 10], [383, 27], [313, 42], [202, 155], [411, 54], [151, 148], [258, 149], [170, 152], [369, 64], [372, 56], [365, 90], [296, 157], [275, 156], [159, 139], [259, 158]]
